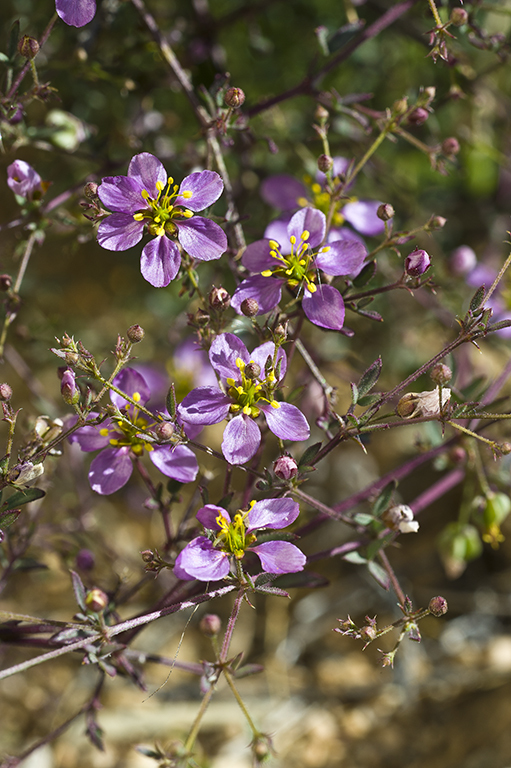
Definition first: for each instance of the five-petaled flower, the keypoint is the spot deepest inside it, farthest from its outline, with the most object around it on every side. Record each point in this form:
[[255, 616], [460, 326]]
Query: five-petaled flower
[[211, 557], [147, 199], [122, 440], [76, 13], [25, 181], [296, 265], [248, 382]]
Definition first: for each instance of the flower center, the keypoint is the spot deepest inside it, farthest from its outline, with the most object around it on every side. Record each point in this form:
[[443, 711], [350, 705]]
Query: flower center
[[160, 212], [126, 432], [250, 389], [233, 536]]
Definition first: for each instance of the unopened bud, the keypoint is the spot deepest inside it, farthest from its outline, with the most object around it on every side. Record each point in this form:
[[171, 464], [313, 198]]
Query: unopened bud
[[96, 600], [202, 317], [463, 260], [90, 190], [457, 455], [440, 373], [505, 448], [85, 560], [385, 212], [417, 262], [28, 47], [325, 163], [252, 371], [368, 633], [437, 222], [135, 333], [68, 389], [321, 113], [399, 107], [459, 16], [280, 332], [219, 298], [249, 307], [234, 97], [210, 624], [438, 606], [147, 555], [450, 146], [5, 282], [164, 430], [285, 467], [430, 93], [5, 393], [418, 116]]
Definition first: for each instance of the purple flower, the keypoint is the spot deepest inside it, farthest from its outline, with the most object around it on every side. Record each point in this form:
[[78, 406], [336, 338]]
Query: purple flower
[[121, 440], [417, 262], [295, 264], [210, 557], [147, 198], [248, 385], [24, 180], [76, 13]]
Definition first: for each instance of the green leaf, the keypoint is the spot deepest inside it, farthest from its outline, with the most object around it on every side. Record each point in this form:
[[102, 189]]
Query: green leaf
[[379, 573], [309, 455], [354, 393], [344, 35], [365, 275], [13, 39], [362, 518], [370, 377], [8, 518], [383, 500], [355, 557], [170, 402], [79, 590], [23, 496], [368, 400], [3, 58], [478, 298]]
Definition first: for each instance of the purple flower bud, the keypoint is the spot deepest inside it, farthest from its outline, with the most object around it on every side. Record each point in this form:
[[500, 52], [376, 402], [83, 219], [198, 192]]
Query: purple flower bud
[[463, 260], [68, 389], [28, 47], [438, 606], [437, 222], [234, 97], [417, 262], [418, 116], [210, 624], [85, 560], [285, 467], [249, 307], [450, 146], [385, 212], [96, 600], [325, 163], [459, 16], [135, 333], [164, 430], [219, 298], [441, 373], [5, 393], [24, 180], [90, 190]]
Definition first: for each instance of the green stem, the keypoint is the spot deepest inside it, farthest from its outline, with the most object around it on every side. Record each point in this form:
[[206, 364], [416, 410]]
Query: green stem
[[434, 11], [11, 316]]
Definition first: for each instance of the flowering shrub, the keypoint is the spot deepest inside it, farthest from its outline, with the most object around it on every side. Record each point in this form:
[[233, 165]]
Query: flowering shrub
[[323, 371]]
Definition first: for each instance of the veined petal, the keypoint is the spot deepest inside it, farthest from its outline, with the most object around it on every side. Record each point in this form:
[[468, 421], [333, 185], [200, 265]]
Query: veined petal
[[202, 239], [283, 192], [224, 352], [199, 560], [177, 462], [345, 257], [362, 216], [286, 422], [277, 230], [110, 470], [205, 186], [309, 219], [132, 382], [325, 307], [160, 261], [207, 516], [146, 169], [279, 557], [120, 231], [89, 438], [267, 291], [241, 439], [204, 405], [272, 513], [256, 256], [121, 194], [261, 353], [76, 13]]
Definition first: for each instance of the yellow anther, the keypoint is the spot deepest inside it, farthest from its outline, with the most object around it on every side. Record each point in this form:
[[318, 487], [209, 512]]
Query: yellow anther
[[145, 194], [160, 185], [273, 244], [274, 254], [275, 404], [305, 234], [160, 231], [311, 288], [246, 410], [187, 214], [170, 180], [113, 441], [316, 188], [138, 216], [292, 239], [240, 364], [302, 202], [325, 249], [187, 194], [103, 432], [267, 273], [148, 447], [230, 382], [136, 397]]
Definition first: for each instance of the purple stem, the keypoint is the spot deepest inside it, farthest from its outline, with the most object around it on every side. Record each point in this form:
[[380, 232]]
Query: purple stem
[[230, 626]]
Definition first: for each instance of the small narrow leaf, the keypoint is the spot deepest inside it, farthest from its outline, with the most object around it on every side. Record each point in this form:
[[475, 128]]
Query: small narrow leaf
[[383, 500], [478, 298], [23, 496], [370, 377], [355, 557], [8, 518], [365, 275], [342, 36], [354, 393], [378, 573], [309, 455], [368, 400], [170, 402], [79, 590]]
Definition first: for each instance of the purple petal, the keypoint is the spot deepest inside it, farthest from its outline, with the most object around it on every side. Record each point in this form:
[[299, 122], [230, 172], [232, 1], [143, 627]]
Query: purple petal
[[207, 516], [110, 470], [362, 216], [76, 13], [279, 557], [344, 257], [146, 170], [120, 231], [267, 291], [341, 165], [201, 238], [160, 261], [198, 560], [286, 422], [23, 179], [256, 256], [277, 230], [261, 353], [90, 438], [241, 439], [343, 233], [223, 354], [272, 513], [325, 307], [205, 186], [132, 382], [283, 192], [309, 219], [205, 405], [122, 194], [178, 462]]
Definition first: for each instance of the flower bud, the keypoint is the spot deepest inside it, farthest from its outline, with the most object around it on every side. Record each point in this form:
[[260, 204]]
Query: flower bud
[[252, 371], [458, 454], [400, 518], [321, 113], [285, 467], [219, 298], [210, 624], [438, 606], [164, 430], [68, 389], [418, 116], [463, 260], [96, 600], [430, 93], [505, 448], [417, 262], [280, 332], [147, 555], [234, 97], [90, 190], [28, 47], [368, 633], [85, 560], [459, 16], [385, 212], [5, 393], [5, 282], [135, 333], [249, 307], [450, 146], [325, 163], [440, 373], [399, 107], [437, 222]]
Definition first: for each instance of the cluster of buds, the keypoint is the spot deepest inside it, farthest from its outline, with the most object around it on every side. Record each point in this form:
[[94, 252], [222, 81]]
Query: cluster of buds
[[75, 355], [153, 561]]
